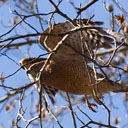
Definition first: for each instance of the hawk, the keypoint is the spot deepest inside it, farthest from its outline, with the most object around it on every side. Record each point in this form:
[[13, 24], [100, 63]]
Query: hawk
[[67, 68]]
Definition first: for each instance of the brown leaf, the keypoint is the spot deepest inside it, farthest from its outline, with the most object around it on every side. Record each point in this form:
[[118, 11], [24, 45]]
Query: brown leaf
[[116, 120], [7, 108], [120, 19], [12, 123], [15, 20], [2, 79]]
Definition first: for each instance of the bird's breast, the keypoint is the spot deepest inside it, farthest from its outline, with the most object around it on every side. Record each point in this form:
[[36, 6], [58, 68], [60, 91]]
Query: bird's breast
[[68, 75]]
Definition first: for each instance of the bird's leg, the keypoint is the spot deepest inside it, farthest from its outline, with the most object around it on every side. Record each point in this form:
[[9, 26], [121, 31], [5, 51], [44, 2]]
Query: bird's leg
[[90, 105], [97, 95]]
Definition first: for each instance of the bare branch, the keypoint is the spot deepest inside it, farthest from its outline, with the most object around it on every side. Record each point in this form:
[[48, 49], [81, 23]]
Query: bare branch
[[86, 6], [71, 109]]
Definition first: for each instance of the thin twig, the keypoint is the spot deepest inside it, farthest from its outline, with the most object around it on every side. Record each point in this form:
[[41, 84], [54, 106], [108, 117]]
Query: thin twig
[[71, 109], [86, 6], [84, 113], [17, 45], [38, 16], [14, 92], [60, 12], [55, 119], [23, 19], [99, 124]]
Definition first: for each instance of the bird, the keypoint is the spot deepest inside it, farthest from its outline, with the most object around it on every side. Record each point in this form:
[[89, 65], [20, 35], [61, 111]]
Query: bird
[[67, 67]]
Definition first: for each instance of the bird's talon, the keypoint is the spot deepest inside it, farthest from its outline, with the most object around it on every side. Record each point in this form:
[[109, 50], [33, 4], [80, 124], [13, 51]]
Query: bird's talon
[[91, 105]]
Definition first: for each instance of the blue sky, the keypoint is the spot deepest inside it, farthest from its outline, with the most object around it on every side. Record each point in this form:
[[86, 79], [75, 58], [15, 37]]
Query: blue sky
[[20, 78]]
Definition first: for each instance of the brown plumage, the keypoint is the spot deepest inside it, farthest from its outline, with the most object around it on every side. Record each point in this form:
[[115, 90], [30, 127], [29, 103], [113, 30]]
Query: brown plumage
[[71, 75], [81, 41], [67, 70]]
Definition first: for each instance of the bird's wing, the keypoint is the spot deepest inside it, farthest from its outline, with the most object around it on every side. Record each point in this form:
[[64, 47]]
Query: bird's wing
[[92, 35]]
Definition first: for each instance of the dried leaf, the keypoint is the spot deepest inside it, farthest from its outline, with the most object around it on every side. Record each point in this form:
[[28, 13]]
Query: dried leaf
[[7, 108], [15, 20], [116, 120], [12, 123], [44, 113], [31, 5], [120, 19], [110, 8], [2, 79]]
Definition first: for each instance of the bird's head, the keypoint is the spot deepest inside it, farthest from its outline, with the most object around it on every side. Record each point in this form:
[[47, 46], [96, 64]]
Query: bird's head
[[26, 63]]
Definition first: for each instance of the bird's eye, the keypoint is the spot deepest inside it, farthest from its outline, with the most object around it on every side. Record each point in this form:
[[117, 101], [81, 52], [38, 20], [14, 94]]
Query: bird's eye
[[28, 72]]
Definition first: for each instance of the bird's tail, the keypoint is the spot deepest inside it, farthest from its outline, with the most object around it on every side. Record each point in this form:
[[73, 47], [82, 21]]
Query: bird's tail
[[105, 86]]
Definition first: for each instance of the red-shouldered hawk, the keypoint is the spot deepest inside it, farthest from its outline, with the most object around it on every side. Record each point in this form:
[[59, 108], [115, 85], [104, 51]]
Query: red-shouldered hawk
[[67, 69]]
